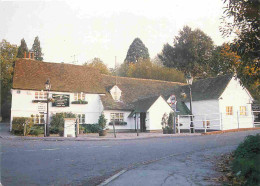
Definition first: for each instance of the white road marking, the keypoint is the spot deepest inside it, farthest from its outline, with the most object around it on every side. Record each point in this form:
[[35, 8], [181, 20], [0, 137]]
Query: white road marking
[[51, 149], [30, 150]]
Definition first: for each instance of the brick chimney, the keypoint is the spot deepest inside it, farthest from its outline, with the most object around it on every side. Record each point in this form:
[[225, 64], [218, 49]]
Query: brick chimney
[[30, 55]]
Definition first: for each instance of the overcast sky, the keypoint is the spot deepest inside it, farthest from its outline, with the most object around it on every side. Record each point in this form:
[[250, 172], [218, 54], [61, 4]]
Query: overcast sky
[[106, 28]]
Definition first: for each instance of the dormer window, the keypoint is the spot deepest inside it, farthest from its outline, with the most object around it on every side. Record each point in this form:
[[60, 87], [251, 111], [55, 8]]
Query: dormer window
[[116, 93]]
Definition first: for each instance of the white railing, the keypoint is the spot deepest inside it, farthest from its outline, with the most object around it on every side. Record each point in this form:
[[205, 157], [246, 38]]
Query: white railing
[[215, 121]]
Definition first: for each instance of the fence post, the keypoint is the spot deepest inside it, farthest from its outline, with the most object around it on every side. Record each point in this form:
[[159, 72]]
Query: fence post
[[237, 120], [220, 121], [205, 124], [179, 130]]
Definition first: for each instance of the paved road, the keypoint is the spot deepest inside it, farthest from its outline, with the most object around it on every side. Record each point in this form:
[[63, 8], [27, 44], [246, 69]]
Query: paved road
[[89, 162]]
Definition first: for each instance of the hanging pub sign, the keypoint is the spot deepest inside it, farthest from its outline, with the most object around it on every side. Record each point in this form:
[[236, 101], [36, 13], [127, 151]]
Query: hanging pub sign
[[60, 100], [172, 101]]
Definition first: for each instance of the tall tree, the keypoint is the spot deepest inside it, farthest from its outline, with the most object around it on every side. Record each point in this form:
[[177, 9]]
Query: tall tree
[[190, 53], [98, 64], [22, 48], [242, 19], [136, 51], [8, 53], [37, 49]]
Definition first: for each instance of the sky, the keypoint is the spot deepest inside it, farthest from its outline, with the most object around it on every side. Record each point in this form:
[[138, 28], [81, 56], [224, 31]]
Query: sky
[[105, 28]]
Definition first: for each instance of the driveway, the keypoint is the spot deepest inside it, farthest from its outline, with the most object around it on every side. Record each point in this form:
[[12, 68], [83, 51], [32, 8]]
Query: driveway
[[39, 162]]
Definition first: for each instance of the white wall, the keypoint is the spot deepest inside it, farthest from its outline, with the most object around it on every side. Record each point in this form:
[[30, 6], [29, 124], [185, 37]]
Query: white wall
[[235, 95], [130, 121], [205, 110], [155, 114], [22, 105]]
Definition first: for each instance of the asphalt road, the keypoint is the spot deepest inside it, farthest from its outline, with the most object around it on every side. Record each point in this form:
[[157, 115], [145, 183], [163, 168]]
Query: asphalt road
[[90, 162]]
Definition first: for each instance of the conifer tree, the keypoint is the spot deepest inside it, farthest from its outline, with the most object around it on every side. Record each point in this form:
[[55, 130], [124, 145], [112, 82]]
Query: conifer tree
[[136, 51], [22, 48], [37, 49]]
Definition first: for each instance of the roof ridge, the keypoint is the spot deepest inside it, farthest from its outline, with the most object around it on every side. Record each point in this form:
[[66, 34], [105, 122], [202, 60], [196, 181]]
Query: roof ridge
[[55, 63], [142, 79]]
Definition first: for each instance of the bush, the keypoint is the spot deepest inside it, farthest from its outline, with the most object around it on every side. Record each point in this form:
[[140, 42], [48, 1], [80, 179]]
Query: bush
[[102, 121], [18, 125], [90, 128], [37, 129], [247, 160], [118, 123], [57, 122]]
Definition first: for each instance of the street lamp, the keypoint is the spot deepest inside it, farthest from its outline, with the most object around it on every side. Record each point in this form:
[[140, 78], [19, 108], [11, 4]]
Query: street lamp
[[47, 88], [189, 80]]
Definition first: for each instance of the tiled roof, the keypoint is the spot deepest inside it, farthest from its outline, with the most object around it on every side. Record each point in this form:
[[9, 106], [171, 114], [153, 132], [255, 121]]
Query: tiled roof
[[32, 75], [208, 89], [134, 89]]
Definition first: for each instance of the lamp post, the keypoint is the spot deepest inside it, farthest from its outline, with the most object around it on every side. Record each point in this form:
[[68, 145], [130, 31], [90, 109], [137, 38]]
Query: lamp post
[[47, 88], [189, 80]]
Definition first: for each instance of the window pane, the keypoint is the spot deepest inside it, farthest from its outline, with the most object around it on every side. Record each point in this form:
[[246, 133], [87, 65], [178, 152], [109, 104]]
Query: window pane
[[36, 95], [42, 119], [41, 95], [243, 110], [83, 118], [75, 96], [37, 119], [45, 95], [83, 96]]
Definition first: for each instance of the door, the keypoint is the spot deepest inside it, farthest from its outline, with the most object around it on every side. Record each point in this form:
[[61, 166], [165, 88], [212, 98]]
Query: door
[[142, 121]]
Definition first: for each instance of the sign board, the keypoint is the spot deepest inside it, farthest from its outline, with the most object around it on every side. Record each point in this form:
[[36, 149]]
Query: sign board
[[41, 107], [69, 127], [61, 100]]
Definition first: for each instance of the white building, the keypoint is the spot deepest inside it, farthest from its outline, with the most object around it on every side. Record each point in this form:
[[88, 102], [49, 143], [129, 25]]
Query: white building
[[129, 102]]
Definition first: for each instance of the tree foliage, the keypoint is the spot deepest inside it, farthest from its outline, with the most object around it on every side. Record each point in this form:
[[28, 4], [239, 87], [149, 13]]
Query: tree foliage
[[147, 70], [242, 19], [190, 53], [137, 51], [98, 64], [22, 48], [37, 49], [8, 53]]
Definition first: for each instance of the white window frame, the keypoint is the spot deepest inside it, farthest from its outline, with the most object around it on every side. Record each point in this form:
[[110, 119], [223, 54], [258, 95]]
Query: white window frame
[[242, 112], [79, 96], [118, 116], [38, 118], [81, 120], [41, 95], [229, 110]]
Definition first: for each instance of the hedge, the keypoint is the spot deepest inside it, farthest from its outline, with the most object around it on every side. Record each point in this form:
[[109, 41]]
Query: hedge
[[37, 129], [18, 124], [90, 128], [118, 123], [247, 160]]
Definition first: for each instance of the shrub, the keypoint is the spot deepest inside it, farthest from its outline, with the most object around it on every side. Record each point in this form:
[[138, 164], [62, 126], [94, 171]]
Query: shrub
[[90, 128], [247, 160], [18, 125], [102, 121], [118, 123], [170, 120], [37, 129], [57, 122]]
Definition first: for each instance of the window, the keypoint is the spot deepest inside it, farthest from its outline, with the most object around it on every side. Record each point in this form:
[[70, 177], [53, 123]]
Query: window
[[79, 96], [81, 118], [117, 117], [229, 110], [40, 95], [38, 118], [207, 122], [242, 110]]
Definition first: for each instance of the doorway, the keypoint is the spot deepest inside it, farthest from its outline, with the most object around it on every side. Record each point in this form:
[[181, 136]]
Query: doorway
[[142, 121]]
